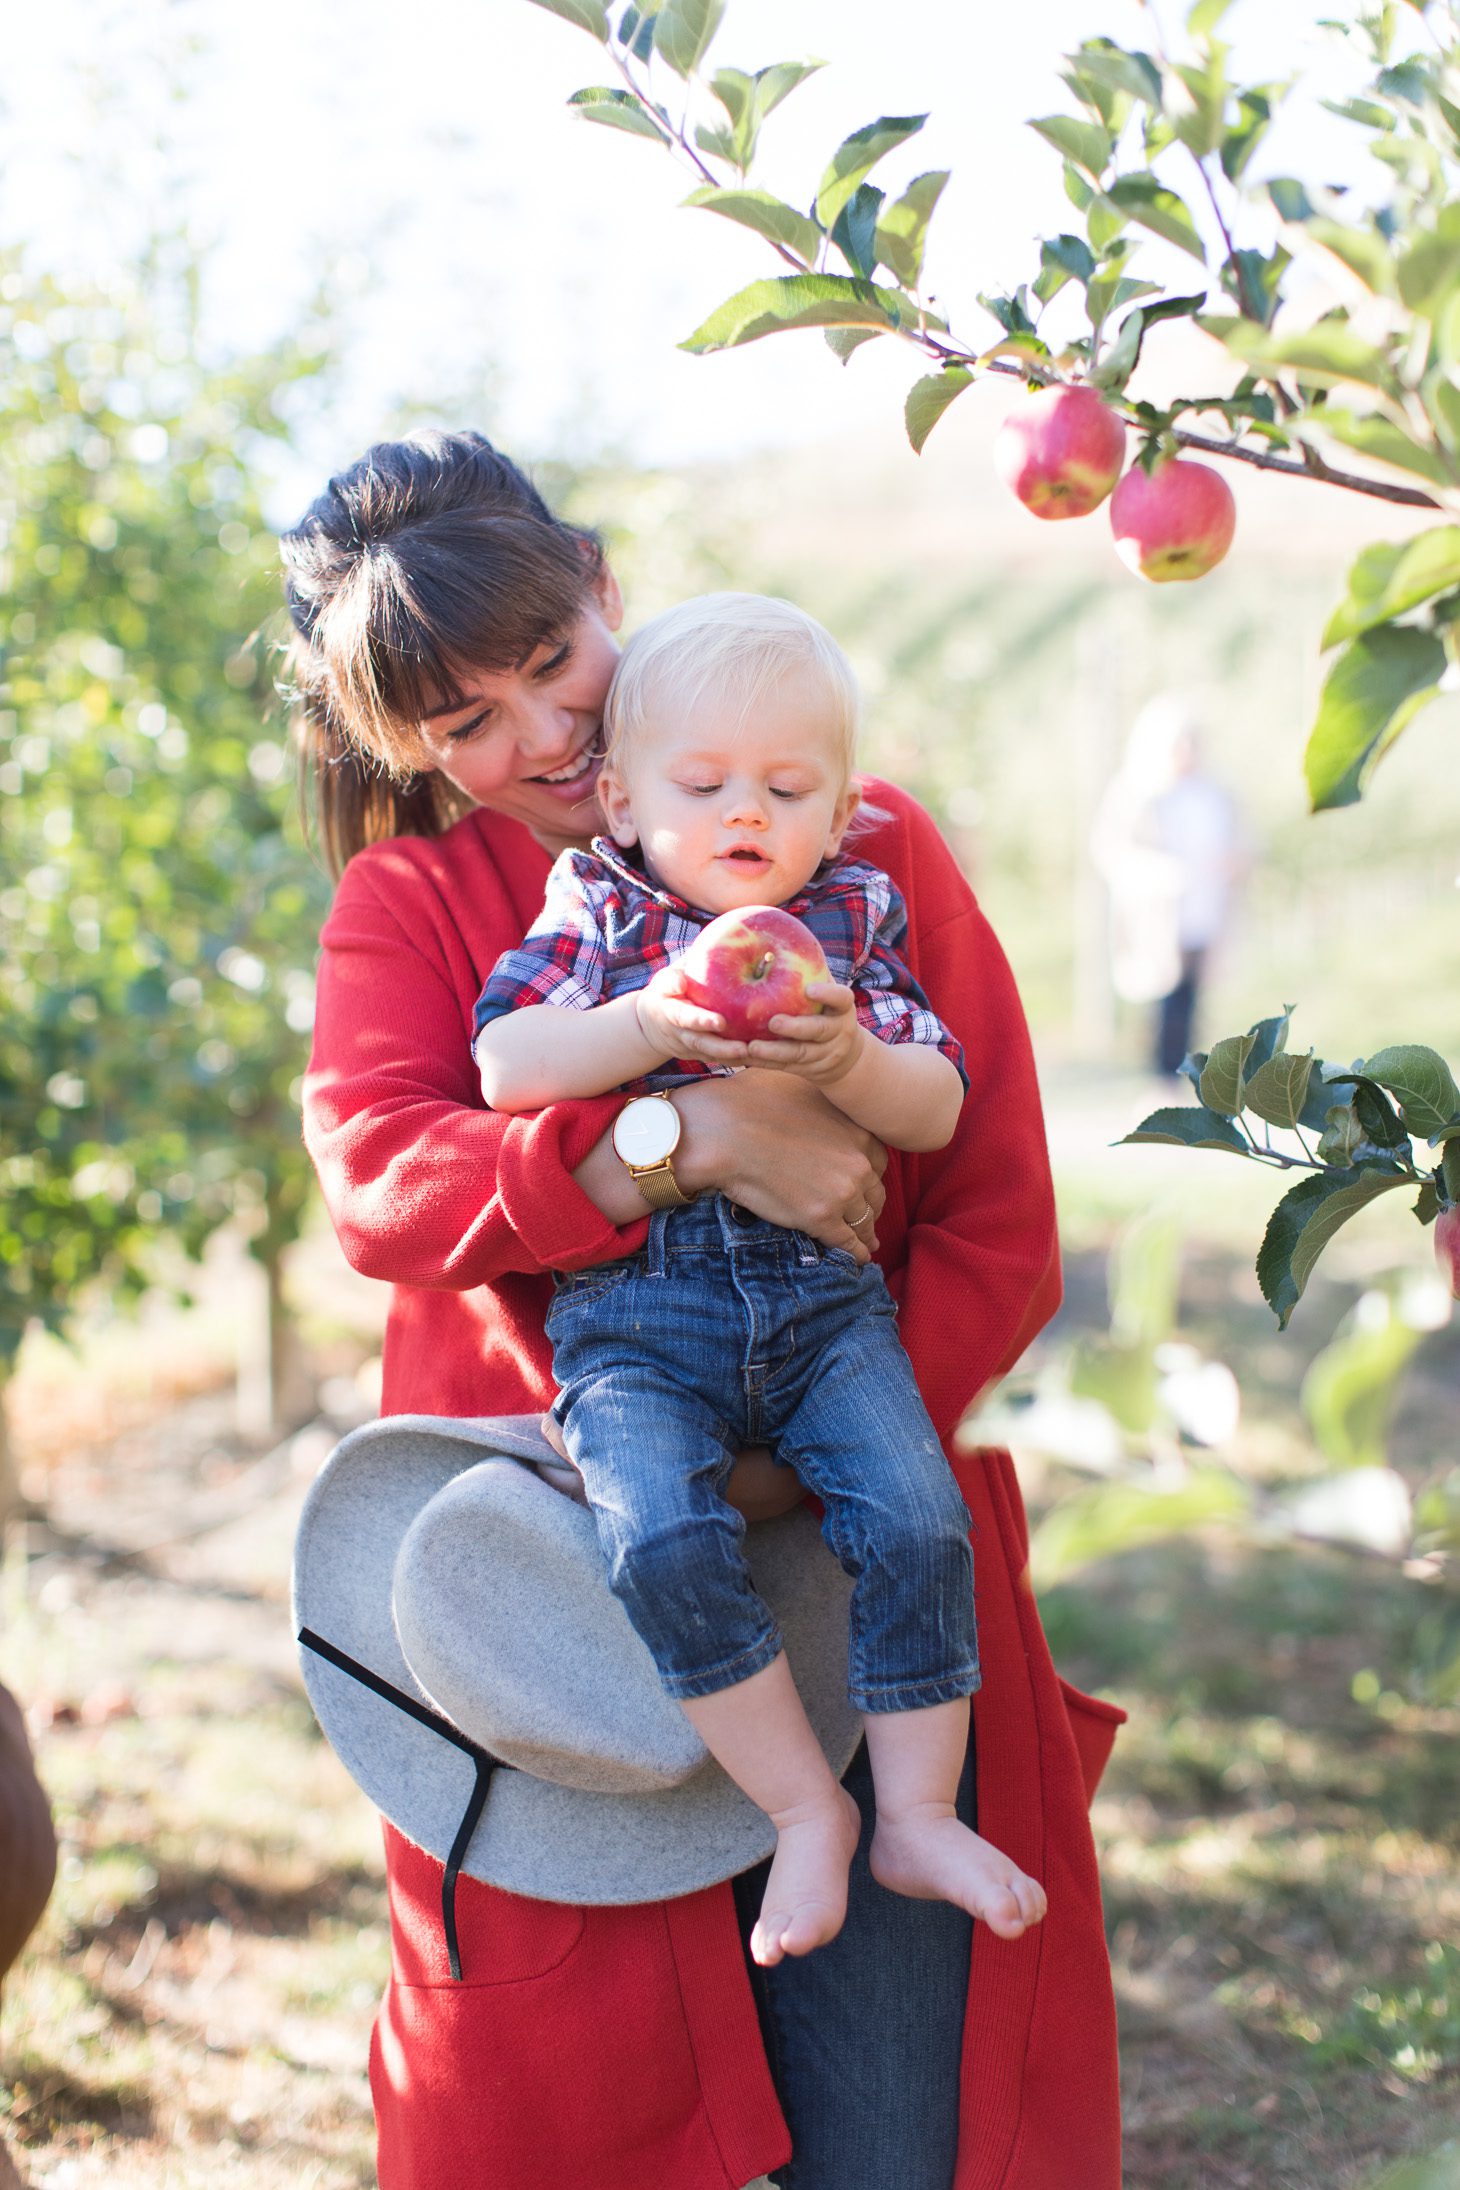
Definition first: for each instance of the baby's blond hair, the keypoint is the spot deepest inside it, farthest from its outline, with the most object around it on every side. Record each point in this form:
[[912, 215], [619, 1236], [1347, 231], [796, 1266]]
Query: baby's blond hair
[[736, 646]]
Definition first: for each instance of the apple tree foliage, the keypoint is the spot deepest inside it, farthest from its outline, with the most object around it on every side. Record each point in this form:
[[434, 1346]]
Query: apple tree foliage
[[158, 912], [1162, 143]]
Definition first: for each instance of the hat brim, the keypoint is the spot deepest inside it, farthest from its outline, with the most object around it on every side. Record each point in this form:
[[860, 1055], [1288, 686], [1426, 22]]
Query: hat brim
[[537, 1837]]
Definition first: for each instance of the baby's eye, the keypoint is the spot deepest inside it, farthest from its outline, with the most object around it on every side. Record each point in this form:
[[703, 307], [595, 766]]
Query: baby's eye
[[700, 790], [777, 792]]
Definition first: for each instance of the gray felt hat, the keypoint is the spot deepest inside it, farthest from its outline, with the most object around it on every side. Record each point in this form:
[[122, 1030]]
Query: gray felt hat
[[455, 1615]]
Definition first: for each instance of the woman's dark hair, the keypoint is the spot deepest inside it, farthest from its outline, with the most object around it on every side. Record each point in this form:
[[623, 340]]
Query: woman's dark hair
[[427, 559]]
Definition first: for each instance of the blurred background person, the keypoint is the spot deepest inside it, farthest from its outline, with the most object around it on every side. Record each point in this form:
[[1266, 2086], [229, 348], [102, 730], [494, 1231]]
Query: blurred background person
[[1170, 841]]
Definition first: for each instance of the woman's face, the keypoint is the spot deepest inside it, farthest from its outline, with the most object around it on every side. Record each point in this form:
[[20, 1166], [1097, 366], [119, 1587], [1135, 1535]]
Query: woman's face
[[525, 741]]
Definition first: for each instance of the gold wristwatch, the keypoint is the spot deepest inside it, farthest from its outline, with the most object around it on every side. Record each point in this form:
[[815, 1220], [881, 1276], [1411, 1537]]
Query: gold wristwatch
[[645, 1135]]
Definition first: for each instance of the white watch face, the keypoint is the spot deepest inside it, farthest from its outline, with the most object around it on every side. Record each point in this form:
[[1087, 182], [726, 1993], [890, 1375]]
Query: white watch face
[[646, 1130]]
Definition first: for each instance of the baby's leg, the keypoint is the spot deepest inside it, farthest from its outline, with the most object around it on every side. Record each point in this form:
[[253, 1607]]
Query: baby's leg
[[920, 1847], [759, 1732]]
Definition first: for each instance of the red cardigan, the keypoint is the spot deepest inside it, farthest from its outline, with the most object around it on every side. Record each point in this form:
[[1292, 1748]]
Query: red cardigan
[[617, 2049]]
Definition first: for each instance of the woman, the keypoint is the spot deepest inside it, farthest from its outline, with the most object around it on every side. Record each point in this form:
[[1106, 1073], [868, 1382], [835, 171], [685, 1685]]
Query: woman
[[455, 643]]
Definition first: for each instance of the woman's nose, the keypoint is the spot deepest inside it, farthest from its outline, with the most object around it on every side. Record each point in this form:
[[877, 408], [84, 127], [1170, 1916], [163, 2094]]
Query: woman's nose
[[550, 733]]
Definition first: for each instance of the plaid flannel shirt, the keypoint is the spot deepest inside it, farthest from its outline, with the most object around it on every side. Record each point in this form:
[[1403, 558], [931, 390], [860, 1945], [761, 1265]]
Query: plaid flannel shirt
[[605, 929]]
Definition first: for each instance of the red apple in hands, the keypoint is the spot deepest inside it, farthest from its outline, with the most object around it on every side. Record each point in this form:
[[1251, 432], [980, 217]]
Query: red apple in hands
[[750, 964], [1447, 1246], [1061, 451], [1175, 523]]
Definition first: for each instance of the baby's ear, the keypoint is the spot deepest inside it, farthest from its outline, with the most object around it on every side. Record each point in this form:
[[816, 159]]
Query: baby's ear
[[846, 806], [614, 800]]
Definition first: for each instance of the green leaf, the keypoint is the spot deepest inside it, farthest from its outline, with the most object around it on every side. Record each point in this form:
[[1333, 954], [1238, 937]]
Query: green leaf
[[842, 341], [1290, 201], [1363, 251], [1278, 1090], [618, 110], [683, 30], [1108, 63], [1269, 1039], [1121, 1378], [636, 31], [1428, 271], [1104, 222], [1427, 1202], [1220, 1086], [1379, 438], [1199, 119], [777, 82], [1343, 1138], [1113, 1517], [855, 158], [1327, 354], [589, 15], [1254, 117], [1144, 1280], [929, 398], [1184, 1125], [902, 228], [767, 215], [1387, 580], [1205, 16], [1302, 1225], [1119, 360], [1348, 1392], [797, 300], [1378, 684], [1422, 1083], [855, 230], [1062, 259], [1157, 208], [1086, 143]]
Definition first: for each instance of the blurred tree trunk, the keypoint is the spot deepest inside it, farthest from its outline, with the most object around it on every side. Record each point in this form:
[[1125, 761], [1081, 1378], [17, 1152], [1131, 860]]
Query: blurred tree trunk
[[9, 1468]]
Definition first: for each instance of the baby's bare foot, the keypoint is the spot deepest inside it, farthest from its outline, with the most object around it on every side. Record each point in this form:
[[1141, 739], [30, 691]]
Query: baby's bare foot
[[929, 1855], [806, 1894]]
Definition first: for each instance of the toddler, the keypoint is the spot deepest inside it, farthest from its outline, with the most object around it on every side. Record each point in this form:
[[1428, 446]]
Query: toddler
[[728, 782]]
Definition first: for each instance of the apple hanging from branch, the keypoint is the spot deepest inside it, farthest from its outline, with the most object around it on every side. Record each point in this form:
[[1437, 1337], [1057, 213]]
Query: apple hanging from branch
[[1060, 451], [1175, 521]]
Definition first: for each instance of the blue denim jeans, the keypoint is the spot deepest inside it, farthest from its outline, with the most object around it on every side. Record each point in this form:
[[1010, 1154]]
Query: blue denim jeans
[[727, 1331], [865, 2036]]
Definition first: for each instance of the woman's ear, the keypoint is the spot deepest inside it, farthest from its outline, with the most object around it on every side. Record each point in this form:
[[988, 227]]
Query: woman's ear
[[617, 812], [610, 600], [846, 806]]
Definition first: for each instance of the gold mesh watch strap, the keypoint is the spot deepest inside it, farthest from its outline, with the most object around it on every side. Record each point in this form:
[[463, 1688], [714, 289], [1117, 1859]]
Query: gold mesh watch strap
[[659, 1187]]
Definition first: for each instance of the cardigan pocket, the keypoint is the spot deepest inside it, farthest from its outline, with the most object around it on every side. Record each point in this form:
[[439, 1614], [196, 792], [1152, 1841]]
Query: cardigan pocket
[[1094, 1724]]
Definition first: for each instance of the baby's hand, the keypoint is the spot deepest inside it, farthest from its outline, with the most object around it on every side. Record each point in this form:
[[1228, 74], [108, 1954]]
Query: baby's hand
[[821, 1047], [678, 1028]]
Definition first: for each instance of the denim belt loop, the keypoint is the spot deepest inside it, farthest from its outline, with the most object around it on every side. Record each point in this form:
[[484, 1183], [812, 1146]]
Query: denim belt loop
[[654, 1245]]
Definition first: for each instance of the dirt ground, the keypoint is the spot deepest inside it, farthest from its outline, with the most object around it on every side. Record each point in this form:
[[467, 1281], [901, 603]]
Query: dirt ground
[[1279, 1830]]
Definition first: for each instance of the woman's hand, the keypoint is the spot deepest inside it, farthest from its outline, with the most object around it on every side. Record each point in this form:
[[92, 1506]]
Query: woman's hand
[[774, 1143], [758, 1488]]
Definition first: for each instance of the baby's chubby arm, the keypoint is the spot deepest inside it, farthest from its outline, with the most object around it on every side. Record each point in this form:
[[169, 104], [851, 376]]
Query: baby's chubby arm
[[907, 1093], [547, 1053]]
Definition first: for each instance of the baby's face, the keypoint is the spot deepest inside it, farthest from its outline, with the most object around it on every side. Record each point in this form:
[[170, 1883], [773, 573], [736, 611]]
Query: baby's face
[[728, 812]]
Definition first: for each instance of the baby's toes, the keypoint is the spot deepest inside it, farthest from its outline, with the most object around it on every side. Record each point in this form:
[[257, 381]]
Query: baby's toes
[[1003, 1914], [1031, 1899]]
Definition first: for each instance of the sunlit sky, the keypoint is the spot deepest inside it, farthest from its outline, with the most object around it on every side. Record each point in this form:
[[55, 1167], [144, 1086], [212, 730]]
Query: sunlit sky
[[494, 256]]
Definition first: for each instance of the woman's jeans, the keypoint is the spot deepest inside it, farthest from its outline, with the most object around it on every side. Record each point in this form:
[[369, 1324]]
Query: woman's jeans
[[728, 1331], [865, 2036]]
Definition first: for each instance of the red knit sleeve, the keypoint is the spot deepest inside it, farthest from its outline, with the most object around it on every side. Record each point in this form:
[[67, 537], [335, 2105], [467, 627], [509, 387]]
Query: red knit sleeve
[[982, 1271], [425, 1186]]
